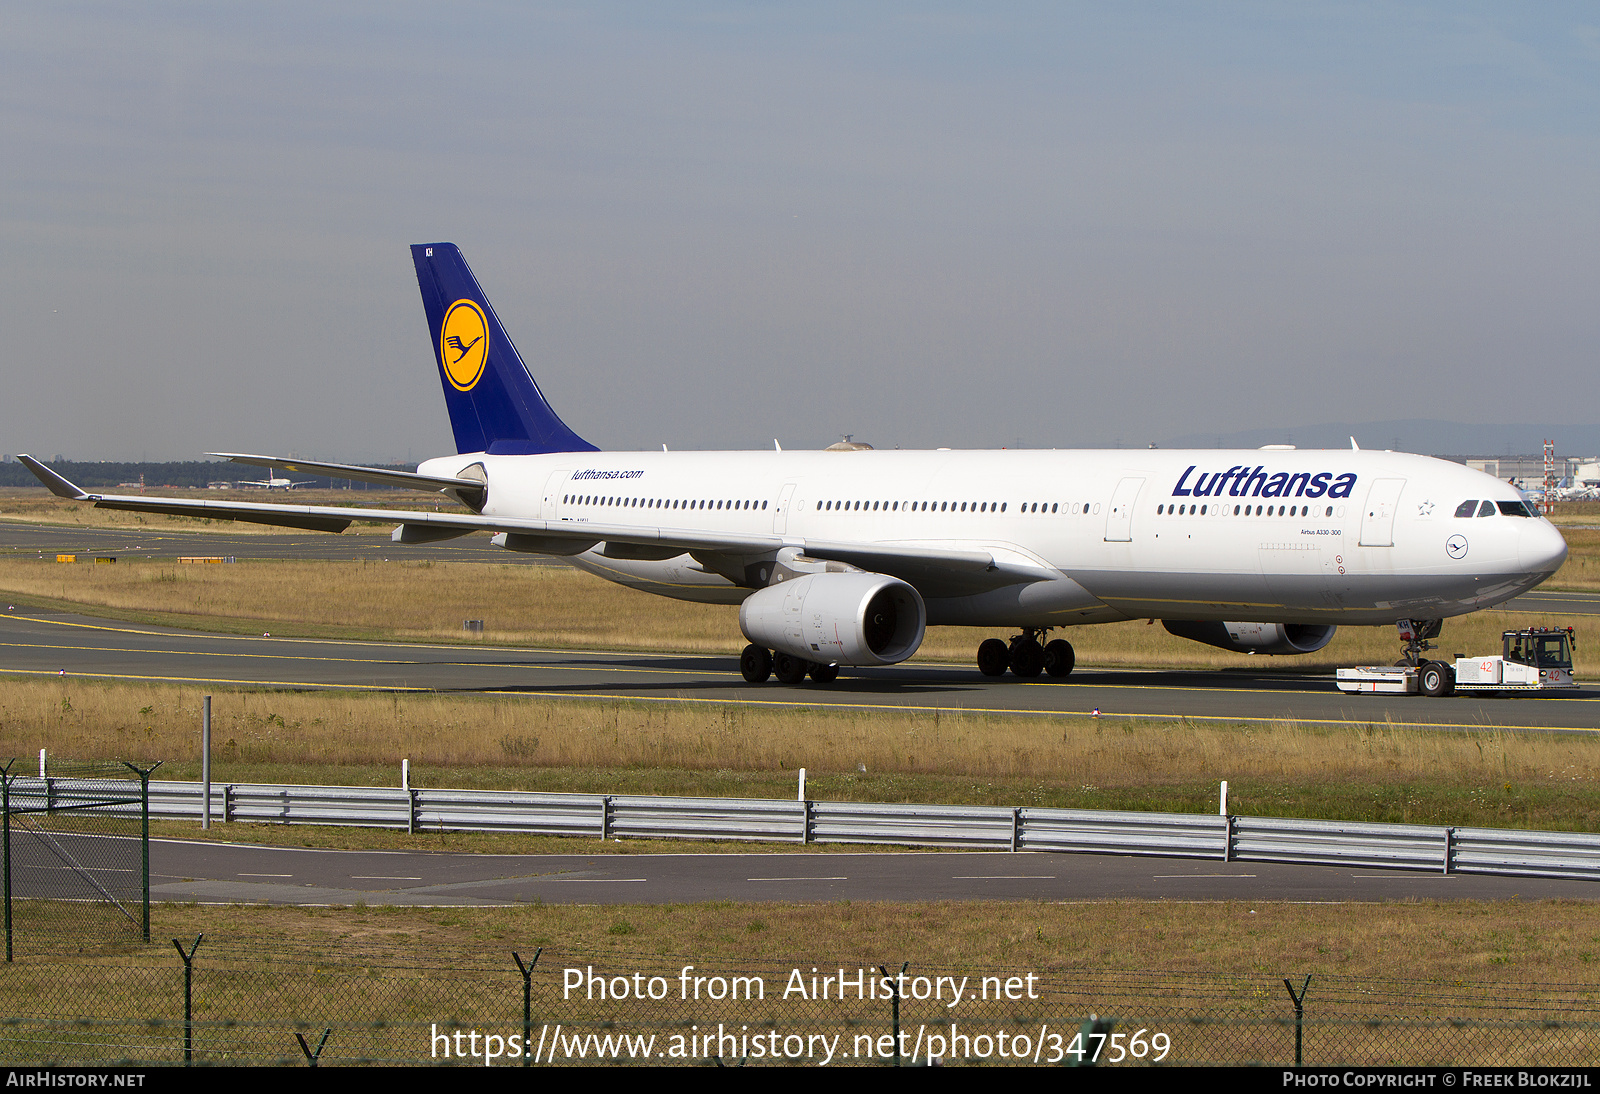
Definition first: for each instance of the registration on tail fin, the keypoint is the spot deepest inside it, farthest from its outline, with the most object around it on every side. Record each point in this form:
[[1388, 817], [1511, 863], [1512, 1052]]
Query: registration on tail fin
[[495, 405]]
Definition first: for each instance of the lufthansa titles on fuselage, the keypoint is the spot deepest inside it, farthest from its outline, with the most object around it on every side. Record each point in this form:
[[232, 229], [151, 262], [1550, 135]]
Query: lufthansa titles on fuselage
[[591, 473], [1257, 482]]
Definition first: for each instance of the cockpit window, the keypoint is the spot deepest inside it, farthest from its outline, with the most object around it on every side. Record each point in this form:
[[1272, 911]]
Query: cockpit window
[[1515, 509], [1486, 509], [1467, 508]]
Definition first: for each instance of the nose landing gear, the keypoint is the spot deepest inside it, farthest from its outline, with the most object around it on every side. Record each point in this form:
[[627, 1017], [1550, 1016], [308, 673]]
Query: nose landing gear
[[1415, 634]]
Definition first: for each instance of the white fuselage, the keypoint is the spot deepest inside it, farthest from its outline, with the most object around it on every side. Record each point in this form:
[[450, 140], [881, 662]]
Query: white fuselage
[[1307, 536]]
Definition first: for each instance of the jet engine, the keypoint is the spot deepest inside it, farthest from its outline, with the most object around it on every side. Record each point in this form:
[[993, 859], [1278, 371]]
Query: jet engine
[[838, 618], [1255, 637]]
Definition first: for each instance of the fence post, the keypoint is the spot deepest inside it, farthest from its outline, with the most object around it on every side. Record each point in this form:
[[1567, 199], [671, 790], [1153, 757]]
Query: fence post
[[527, 998], [1299, 1017], [144, 837], [894, 1000], [188, 996], [312, 1057], [5, 782]]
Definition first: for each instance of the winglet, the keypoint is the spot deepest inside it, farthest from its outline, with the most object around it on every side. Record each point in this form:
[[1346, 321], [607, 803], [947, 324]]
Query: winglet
[[59, 486]]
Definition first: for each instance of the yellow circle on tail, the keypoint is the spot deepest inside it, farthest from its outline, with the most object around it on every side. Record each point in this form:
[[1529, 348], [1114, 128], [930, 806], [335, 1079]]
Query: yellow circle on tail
[[463, 343]]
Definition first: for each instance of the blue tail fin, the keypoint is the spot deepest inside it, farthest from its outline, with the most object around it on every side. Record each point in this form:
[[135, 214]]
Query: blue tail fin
[[495, 406]]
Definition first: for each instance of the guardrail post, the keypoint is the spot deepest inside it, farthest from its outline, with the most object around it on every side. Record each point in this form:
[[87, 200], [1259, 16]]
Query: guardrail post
[[605, 818], [1449, 847], [411, 811], [894, 1000], [227, 803], [805, 820], [1016, 828], [527, 999], [1227, 837], [188, 996], [1299, 1017], [205, 766], [1093, 1028]]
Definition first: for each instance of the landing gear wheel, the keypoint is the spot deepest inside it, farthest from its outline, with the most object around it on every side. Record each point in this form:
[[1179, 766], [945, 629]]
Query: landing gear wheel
[[824, 674], [993, 657], [1027, 657], [1059, 658], [1435, 679], [789, 669], [755, 663]]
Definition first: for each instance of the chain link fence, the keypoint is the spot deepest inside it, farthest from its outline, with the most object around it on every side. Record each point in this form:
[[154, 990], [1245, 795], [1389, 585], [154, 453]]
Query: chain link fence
[[74, 854], [244, 1001]]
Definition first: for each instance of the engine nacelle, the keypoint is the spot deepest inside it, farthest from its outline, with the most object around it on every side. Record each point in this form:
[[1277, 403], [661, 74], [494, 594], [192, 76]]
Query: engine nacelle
[[845, 619], [1255, 637]]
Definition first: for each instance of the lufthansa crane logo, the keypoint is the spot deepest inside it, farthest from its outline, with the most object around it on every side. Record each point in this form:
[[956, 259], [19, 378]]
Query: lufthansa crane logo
[[1456, 546], [463, 344]]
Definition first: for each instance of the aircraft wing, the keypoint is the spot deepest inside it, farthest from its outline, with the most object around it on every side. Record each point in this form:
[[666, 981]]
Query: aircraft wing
[[934, 570]]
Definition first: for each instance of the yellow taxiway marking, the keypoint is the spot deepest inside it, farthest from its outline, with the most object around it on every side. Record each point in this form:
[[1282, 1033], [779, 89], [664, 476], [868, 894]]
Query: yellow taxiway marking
[[909, 708], [1023, 712], [218, 681], [178, 633]]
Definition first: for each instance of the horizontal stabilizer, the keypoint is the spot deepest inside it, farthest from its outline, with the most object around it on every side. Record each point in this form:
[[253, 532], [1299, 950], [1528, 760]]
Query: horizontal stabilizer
[[378, 476], [281, 516]]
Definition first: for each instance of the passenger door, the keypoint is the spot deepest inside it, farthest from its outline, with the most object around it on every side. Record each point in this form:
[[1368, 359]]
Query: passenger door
[[1119, 521], [1377, 519]]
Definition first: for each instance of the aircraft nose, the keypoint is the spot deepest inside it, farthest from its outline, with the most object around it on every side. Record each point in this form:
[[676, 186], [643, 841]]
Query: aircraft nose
[[1540, 547]]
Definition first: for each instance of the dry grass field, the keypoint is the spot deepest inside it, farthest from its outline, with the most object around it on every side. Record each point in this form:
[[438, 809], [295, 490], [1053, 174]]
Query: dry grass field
[[1468, 944], [1375, 772], [1404, 983]]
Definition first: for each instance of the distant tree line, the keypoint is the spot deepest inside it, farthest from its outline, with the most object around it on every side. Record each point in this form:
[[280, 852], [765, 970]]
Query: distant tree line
[[109, 475]]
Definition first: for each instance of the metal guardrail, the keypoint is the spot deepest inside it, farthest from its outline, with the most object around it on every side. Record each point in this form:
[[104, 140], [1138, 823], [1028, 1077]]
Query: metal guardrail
[[605, 816]]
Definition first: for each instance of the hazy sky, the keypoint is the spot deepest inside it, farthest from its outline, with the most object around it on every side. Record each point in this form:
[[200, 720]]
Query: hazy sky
[[713, 224]]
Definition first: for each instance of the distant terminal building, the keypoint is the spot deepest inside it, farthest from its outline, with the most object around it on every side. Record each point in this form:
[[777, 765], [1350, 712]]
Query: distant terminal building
[[1572, 472]]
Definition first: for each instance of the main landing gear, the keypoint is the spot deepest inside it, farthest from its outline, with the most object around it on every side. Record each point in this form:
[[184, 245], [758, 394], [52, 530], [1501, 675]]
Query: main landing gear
[[757, 664], [1025, 656]]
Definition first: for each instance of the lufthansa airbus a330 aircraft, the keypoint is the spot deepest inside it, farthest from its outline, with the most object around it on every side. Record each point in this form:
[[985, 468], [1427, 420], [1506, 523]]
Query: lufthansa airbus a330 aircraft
[[843, 557]]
